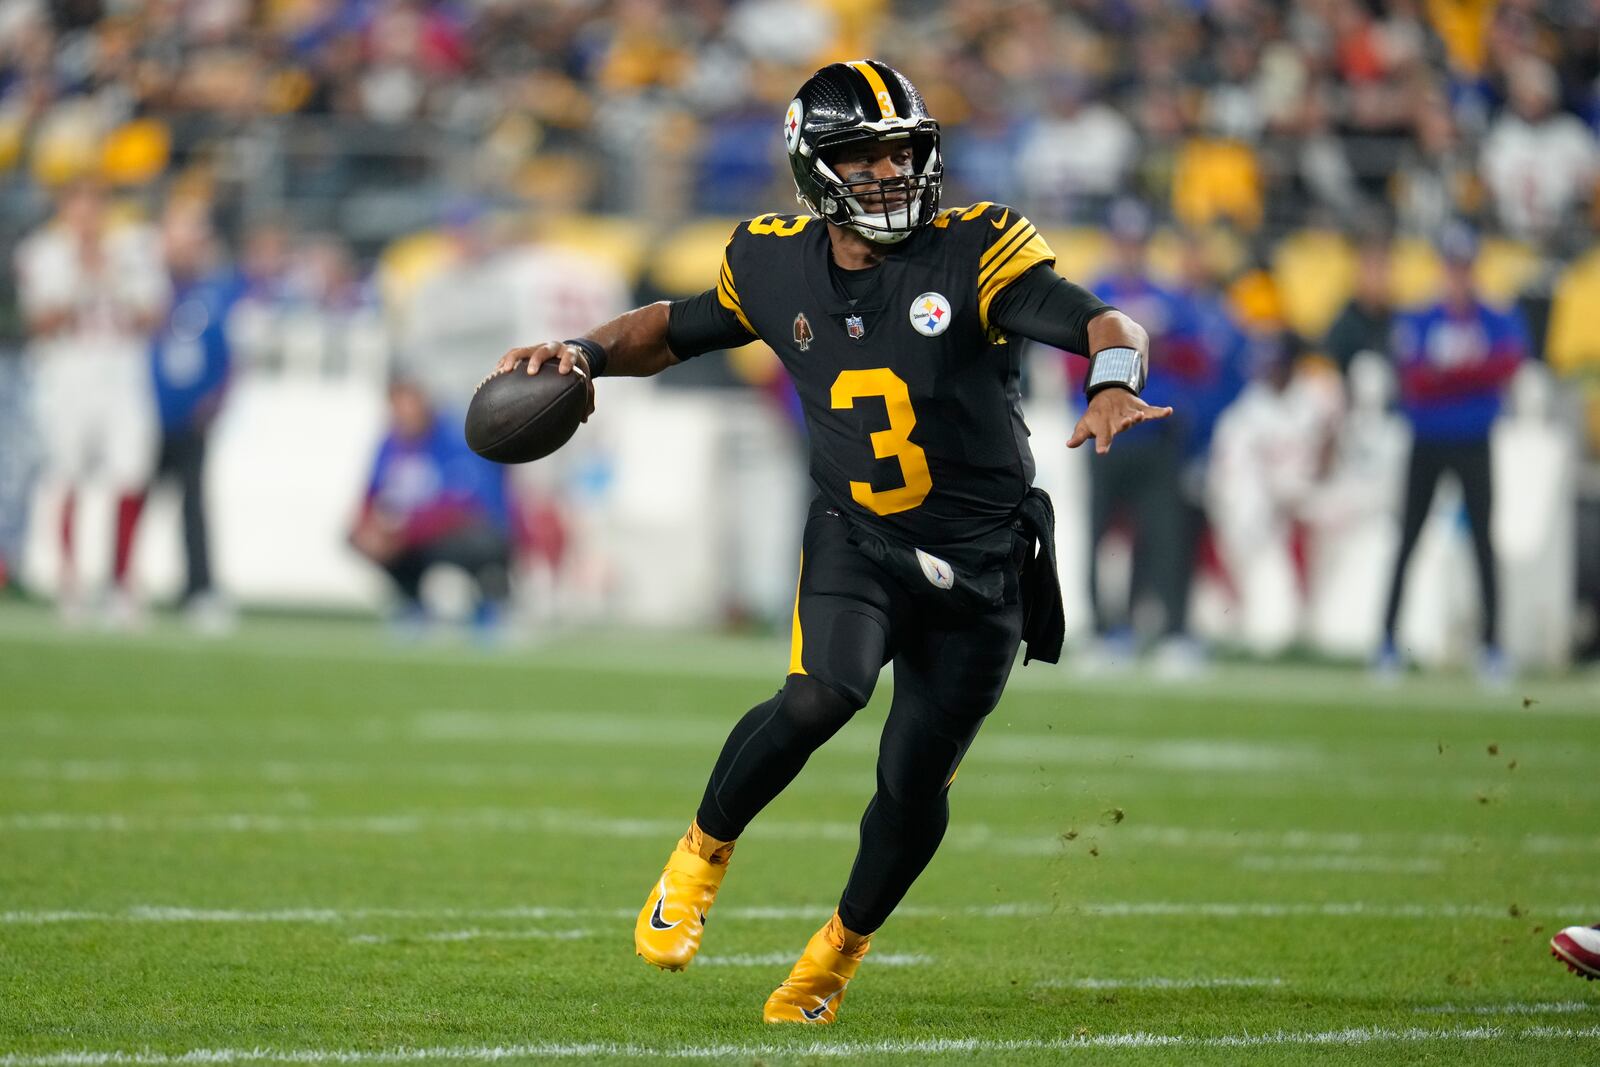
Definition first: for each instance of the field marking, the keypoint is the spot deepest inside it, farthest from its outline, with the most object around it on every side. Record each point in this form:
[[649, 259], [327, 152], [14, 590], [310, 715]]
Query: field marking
[[474, 935], [964, 837], [1293, 686], [1555, 1007], [1351, 1037], [1343, 863], [1120, 909], [1157, 983], [980, 780]]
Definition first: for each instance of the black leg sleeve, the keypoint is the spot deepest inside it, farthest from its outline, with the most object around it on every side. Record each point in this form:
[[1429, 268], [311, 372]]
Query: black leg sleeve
[[765, 751]]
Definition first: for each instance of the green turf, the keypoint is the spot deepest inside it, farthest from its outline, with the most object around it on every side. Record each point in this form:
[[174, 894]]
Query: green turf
[[308, 839]]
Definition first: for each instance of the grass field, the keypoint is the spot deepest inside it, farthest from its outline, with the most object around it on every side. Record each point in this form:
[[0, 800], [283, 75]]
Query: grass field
[[308, 844]]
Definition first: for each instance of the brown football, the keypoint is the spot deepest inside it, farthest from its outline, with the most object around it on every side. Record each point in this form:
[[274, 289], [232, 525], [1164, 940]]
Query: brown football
[[517, 417]]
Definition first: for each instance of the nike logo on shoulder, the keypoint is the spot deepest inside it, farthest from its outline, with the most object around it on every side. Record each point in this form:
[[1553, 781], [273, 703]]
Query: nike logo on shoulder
[[821, 1009], [1000, 223], [657, 922]]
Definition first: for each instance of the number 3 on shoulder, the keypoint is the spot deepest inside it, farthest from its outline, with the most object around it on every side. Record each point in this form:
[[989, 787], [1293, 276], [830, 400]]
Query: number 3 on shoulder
[[893, 443]]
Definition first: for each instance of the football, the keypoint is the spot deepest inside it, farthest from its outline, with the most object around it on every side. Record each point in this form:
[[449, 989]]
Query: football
[[516, 417]]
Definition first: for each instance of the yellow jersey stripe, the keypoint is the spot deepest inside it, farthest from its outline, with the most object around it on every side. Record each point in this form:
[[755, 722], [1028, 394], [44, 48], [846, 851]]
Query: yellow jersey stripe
[[725, 281], [1030, 254], [995, 249], [879, 90], [1008, 249], [728, 298], [797, 639], [975, 210]]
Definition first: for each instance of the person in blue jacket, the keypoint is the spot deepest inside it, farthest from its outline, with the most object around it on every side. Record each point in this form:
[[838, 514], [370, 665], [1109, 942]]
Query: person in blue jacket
[[1194, 357], [431, 500], [1453, 360], [190, 364]]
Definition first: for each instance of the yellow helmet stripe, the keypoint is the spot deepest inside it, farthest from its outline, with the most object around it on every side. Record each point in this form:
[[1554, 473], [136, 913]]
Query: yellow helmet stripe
[[880, 91]]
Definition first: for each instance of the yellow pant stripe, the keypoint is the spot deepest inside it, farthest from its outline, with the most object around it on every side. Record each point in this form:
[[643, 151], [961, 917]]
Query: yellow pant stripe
[[797, 639]]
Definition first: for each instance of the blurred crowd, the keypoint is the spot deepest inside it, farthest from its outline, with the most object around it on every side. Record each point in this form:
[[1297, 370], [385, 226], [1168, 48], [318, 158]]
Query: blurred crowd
[[391, 190], [1262, 114]]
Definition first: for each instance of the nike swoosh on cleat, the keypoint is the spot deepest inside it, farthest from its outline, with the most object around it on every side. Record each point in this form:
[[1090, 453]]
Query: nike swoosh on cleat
[[1001, 224], [820, 1010], [656, 921]]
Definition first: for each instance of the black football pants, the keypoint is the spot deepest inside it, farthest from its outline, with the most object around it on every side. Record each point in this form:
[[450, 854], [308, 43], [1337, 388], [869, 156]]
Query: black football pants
[[1470, 462], [183, 459], [1139, 481], [949, 669], [480, 548]]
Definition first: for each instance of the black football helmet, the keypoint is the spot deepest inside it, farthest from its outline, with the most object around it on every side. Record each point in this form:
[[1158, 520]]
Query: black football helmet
[[863, 100]]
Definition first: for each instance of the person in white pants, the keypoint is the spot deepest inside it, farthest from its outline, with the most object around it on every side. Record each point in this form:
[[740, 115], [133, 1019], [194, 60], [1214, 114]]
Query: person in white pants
[[91, 295]]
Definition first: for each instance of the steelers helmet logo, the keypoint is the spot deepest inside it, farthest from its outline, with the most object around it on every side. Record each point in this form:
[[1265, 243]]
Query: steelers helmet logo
[[792, 122], [930, 314]]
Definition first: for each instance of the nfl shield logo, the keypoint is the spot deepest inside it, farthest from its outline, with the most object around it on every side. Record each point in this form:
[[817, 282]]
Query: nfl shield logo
[[855, 327]]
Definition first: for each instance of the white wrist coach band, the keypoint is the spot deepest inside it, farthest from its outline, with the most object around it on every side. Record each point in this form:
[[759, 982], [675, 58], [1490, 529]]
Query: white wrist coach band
[[1123, 367]]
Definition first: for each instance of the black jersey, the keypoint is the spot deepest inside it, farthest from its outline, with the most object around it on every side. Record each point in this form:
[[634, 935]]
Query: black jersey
[[910, 393]]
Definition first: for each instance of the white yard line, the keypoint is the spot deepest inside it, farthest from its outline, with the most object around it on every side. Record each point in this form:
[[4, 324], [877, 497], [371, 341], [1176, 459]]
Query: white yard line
[[1557, 1007], [1157, 983], [1352, 1037], [1336, 863], [966, 837], [1063, 912], [475, 935]]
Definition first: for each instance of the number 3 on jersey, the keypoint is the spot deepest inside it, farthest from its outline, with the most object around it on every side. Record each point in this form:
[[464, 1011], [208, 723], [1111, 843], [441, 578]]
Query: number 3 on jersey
[[893, 443]]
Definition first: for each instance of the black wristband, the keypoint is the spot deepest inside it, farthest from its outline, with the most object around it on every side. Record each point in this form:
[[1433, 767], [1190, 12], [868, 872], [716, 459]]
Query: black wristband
[[593, 351]]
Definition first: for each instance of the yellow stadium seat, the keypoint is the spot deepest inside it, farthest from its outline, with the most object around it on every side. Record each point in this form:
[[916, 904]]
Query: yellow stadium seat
[[1315, 273], [612, 239], [1504, 269], [1080, 252], [409, 262], [1415, 272], [135, 152], [686, 262], [1217, 179], [1572, 345]]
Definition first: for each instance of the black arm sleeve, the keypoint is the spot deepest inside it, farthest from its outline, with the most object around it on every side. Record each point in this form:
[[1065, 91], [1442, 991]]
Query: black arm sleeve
[[1044, 306], [701, 324]]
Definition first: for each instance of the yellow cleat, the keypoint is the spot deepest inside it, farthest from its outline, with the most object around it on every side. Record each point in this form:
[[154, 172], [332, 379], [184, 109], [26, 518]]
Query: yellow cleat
[[669, 927], [815, 987]]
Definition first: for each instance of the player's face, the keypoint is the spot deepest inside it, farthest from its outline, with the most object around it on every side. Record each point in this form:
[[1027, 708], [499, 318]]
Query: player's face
[[877, 161]]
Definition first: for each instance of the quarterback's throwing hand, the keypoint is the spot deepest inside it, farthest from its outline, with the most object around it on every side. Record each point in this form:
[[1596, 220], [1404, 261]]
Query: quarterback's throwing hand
[[567, 358], [1110, 412]]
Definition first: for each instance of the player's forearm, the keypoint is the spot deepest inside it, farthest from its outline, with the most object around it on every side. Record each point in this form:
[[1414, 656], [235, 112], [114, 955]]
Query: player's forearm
[[1113, 329], [636, 342]]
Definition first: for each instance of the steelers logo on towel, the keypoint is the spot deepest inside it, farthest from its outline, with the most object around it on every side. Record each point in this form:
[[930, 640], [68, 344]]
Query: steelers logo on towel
[[930, 314]]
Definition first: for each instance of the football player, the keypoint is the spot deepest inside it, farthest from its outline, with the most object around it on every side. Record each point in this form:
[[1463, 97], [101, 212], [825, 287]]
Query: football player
[[925, 545]]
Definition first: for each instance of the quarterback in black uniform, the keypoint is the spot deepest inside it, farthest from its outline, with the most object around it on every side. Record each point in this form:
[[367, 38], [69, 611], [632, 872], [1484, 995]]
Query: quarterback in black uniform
[[925, 545]]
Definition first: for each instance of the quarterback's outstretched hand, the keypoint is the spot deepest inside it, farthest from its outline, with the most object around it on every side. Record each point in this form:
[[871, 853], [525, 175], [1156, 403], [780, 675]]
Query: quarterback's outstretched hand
[[566, 357], [1110, 412]]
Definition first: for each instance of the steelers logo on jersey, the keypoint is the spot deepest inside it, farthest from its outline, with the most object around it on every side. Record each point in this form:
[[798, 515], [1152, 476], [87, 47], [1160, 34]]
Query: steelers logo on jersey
[[930, 314]]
